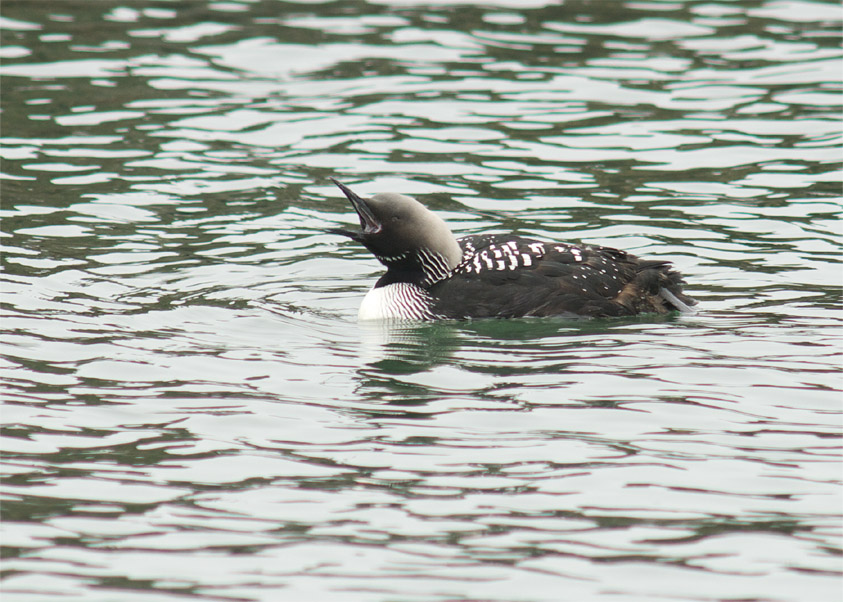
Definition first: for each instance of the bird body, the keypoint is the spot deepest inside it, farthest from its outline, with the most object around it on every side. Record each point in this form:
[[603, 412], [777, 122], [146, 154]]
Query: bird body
[[432, 275]]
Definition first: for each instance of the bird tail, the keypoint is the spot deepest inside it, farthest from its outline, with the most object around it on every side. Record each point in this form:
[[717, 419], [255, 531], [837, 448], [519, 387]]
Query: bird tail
[[676, 302], [666, 284]]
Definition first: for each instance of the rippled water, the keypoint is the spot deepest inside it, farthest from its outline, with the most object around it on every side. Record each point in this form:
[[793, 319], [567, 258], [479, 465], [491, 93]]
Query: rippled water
[[191, 410]]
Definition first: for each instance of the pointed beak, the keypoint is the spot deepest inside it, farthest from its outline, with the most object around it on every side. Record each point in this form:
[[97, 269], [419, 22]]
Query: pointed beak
[[368, 222]]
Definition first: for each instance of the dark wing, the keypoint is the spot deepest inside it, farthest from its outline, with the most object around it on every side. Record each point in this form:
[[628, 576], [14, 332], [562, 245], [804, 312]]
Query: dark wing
[[508, 277]]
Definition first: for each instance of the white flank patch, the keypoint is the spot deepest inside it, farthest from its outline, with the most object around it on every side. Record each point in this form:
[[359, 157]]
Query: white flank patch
[[399, 301]]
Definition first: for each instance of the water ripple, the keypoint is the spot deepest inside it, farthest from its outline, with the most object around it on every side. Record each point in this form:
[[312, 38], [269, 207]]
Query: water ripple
[[191, 409]]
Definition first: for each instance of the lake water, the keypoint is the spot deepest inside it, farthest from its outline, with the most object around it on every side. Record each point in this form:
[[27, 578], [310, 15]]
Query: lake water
[[192, 412]]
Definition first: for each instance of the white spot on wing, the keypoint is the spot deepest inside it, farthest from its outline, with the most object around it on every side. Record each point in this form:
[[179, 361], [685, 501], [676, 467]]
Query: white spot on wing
[[537, 248]]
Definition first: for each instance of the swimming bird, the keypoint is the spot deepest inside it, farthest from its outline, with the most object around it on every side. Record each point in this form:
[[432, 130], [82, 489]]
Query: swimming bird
[[431, 275]]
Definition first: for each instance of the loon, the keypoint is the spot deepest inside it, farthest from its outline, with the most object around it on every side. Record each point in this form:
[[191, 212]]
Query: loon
[[432, 275]]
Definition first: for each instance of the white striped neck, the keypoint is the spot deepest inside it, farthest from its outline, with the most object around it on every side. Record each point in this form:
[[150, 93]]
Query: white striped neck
[[423, 268]]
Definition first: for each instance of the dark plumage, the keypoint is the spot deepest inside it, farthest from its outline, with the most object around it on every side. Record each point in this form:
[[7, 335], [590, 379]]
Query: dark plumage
[[432, 275]]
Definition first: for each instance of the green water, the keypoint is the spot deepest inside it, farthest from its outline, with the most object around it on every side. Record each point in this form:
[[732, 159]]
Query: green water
[[191, 411]]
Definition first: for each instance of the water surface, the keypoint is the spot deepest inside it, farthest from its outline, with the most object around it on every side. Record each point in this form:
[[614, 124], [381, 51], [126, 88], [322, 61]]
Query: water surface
[[191, 410]]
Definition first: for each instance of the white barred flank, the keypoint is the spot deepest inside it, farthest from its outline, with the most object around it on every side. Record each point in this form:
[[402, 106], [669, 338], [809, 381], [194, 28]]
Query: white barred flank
[[397, 301]]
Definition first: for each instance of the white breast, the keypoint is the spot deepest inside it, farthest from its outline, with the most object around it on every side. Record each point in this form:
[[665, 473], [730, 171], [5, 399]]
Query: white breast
[[399, 301]]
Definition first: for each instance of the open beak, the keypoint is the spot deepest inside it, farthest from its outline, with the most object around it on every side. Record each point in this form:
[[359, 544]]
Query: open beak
[[368, 222]]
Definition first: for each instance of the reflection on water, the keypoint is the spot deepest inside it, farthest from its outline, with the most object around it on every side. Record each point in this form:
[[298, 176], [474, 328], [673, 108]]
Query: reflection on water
[[190, 408]]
